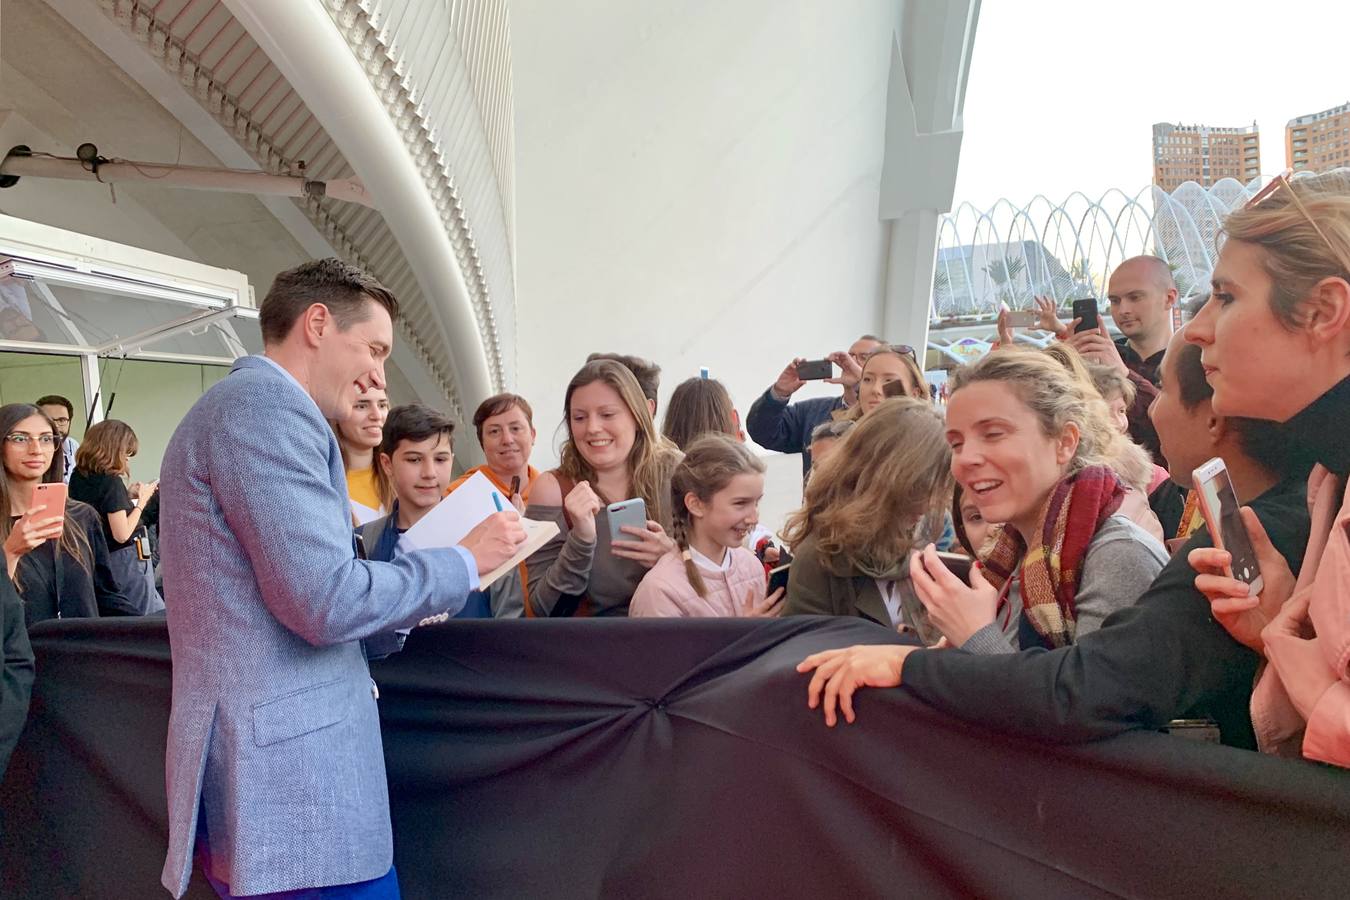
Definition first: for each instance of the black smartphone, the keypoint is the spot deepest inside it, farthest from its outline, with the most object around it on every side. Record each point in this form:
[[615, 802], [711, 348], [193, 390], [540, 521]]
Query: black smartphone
[[958, 564], [1086, 312], [815, 370], [778, 578]]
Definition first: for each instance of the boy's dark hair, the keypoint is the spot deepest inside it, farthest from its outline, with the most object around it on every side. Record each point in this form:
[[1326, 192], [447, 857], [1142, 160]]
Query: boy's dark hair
[[495, 406], [340, 286], [414, 422], [409, 422], [56, 400], [647, 373]]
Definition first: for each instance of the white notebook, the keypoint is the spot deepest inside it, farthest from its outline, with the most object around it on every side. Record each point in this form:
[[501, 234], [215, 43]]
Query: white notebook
[[457, 514]]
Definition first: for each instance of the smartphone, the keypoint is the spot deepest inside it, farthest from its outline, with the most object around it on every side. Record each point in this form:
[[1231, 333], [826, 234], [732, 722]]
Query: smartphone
[[815, 370], [958, 564], [626, 512], [1219, 503], [1086, 311], [778, 578], [53, 497], [1022, 318]]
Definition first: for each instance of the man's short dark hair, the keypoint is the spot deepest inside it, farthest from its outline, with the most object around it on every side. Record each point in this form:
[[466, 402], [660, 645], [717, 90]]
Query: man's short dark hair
[[56, 400], [647, 373], [338, 285], [495, 406]]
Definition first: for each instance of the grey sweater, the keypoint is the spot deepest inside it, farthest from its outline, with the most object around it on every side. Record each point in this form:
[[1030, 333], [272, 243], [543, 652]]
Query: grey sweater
[[569, 565], [1121, 563]]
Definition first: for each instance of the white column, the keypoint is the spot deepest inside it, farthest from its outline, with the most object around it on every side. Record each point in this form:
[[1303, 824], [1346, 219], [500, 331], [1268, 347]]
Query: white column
[[909, 278], [93, 403]]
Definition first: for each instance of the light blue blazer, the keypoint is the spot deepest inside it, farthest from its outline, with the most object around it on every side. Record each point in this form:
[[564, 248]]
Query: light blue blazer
[[274, 734]]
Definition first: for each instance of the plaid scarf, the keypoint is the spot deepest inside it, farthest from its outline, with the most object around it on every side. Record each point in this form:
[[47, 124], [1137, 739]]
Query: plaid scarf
[[1053, 567]]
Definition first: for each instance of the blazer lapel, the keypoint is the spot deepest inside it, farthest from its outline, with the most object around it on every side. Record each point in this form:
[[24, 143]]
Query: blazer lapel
[[867, 600]]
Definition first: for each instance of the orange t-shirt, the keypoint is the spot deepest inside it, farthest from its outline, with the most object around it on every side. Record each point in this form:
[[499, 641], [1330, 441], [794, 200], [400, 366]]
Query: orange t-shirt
[[531, 472]]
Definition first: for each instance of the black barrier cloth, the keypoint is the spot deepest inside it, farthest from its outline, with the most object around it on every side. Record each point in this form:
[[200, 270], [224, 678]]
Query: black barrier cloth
[[655, 758]]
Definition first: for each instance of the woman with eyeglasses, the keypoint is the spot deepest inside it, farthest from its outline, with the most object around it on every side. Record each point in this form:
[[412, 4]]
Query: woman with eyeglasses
[[1275, 344], [58, 562], [101, 463]]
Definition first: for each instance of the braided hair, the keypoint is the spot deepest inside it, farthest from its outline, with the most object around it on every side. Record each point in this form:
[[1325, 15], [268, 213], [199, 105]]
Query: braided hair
[[709, 464]]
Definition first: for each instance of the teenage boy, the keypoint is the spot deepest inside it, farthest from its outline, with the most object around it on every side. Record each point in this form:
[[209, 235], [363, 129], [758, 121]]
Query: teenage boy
[[416, 457]]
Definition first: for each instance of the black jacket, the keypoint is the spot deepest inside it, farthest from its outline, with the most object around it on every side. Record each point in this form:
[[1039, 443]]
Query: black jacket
[[1161, 659], [16, 678], [75, 590]]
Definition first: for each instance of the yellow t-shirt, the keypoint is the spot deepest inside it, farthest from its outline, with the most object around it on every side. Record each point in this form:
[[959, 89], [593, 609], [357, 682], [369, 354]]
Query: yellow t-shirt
[[361, 488]]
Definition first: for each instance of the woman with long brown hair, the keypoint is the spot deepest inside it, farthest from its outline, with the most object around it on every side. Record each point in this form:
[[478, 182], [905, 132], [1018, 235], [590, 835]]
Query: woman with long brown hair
[[101, 463], [58, 562], [699, 406], [852, 539], [612, 453]]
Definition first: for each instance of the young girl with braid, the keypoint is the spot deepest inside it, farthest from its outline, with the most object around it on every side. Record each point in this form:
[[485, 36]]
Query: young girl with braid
[[714, 499]]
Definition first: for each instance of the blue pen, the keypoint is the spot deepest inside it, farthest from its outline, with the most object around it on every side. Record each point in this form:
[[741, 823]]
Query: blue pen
[[497, 501]]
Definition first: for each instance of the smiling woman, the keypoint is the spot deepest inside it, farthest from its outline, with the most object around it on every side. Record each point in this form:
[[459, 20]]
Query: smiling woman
[[612, 453], [359, 431], [1031, 448]]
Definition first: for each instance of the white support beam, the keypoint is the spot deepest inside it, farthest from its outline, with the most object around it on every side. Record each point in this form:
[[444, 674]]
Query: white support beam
[[925, 93], [93, 403]]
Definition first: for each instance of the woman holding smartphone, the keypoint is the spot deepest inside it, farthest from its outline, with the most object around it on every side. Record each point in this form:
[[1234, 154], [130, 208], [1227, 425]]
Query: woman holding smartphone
[[612, 453], [103, 460], [58, 560], [1275, 343], [1032, 446], [1162, 658]]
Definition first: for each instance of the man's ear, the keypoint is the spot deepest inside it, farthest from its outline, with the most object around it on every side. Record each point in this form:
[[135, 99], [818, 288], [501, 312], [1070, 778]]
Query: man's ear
[[315, 321], [386, 465]]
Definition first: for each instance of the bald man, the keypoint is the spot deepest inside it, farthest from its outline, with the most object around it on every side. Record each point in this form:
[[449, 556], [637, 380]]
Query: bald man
[[1142, 294]]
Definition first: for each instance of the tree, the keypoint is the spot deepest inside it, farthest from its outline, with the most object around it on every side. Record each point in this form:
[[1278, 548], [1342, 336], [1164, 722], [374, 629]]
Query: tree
[[1004, 272]]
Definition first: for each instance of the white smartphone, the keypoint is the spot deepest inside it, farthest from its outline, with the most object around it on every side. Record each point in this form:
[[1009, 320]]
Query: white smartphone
[[626, 512], [1219, 503], [1022, 318]]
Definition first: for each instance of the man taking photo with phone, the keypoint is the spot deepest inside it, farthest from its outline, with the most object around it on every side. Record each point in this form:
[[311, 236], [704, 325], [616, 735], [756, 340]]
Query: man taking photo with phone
[[776, 424], [275, 769], [1142, 296]]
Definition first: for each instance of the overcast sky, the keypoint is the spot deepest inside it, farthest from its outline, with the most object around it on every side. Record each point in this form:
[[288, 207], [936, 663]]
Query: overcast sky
[[1063, 95]]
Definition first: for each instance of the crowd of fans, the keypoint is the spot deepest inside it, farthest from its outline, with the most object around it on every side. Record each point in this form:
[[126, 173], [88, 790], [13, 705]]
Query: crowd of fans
[[1096, 602]]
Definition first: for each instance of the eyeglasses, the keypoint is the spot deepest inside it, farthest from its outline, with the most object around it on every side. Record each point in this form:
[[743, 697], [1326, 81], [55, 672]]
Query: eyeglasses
[[1282, 180], [61, 421], [19, 439]]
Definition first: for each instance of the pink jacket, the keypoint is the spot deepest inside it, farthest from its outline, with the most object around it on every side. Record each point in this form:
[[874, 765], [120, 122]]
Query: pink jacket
[[666, 591], [1326, 576]]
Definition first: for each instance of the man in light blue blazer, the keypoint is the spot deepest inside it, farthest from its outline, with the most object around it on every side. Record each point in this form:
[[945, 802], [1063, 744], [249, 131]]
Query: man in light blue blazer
[[275, 768]]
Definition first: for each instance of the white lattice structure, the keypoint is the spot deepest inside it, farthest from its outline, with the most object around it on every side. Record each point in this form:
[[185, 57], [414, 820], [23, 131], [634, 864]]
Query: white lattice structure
[[1010, 253]]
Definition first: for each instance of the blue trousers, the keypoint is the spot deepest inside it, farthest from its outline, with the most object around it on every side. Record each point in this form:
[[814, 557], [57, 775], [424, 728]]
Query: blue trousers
[[382, 888]]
